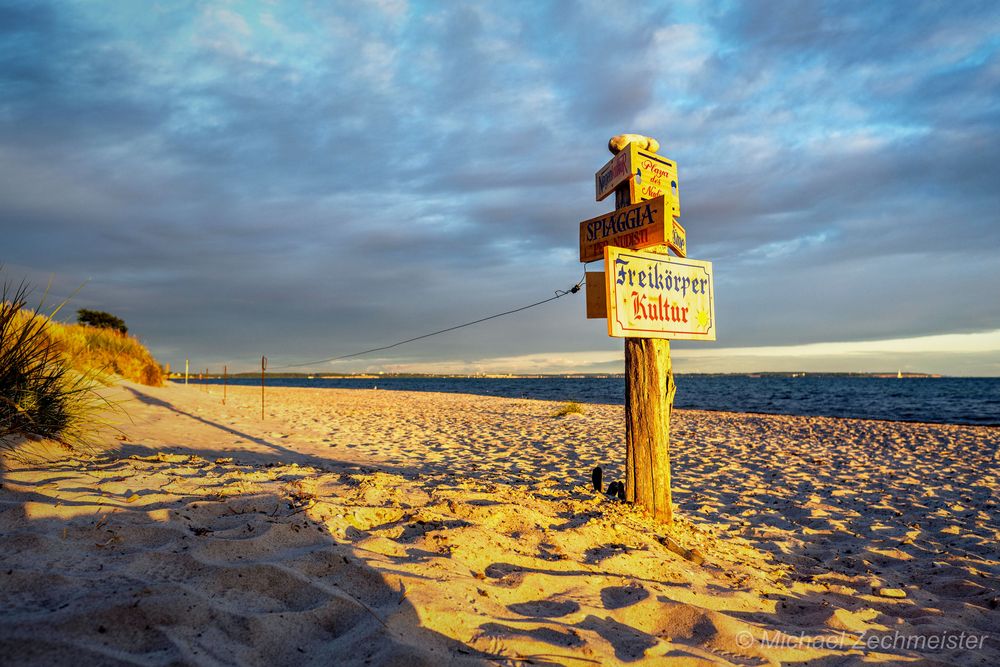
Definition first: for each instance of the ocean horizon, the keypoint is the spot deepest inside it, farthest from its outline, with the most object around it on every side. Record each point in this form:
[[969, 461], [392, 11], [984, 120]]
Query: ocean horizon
[[883, 396]]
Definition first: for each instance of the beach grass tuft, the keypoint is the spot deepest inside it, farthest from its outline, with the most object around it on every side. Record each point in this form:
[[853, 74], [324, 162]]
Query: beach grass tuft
[[570, 408], [40, 394]]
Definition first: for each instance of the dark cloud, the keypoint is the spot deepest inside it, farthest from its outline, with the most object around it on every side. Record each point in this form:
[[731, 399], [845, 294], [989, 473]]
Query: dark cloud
[[230, 182]]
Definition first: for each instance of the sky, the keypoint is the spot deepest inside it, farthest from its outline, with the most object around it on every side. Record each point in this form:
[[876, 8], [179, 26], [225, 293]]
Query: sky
[[313, 179]]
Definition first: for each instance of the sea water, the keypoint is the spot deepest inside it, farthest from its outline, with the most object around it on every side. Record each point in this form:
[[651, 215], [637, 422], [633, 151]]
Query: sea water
[[938, 400]]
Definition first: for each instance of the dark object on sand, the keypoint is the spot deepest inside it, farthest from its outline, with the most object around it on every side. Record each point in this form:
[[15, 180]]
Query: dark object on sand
[[615, 489]]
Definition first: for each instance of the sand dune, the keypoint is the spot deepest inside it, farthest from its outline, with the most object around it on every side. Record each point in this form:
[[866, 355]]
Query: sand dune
[[375, 527]]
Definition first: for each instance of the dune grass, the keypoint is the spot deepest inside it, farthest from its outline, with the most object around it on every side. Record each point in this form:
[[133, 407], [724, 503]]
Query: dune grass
[[49, 372], [106, 351]]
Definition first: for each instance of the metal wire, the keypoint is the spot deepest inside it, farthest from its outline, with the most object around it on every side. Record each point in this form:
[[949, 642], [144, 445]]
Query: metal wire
[[558, 295]]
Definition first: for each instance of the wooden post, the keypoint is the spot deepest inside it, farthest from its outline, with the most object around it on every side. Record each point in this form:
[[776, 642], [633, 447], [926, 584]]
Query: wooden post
[[187, 364], [225, 377], [263, 367], [649, 396]]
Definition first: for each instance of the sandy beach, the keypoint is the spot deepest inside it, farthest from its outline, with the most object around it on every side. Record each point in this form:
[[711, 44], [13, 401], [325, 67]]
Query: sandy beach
[[394, 528]]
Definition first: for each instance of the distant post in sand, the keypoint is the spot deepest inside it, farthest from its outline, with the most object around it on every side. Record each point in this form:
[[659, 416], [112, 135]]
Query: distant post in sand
[[225, 378], [263, 367], [187, 364], [648, 298]]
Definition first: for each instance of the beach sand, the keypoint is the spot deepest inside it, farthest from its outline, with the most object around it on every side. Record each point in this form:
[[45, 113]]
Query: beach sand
[[376, 527]]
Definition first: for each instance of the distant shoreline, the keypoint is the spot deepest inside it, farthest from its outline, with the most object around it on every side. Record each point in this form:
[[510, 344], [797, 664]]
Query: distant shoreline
[[918, 399], [529, 376]]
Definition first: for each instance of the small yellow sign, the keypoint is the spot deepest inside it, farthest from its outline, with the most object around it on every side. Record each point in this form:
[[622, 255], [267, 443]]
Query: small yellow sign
[[657, 296], [678, 240], [649, 175], [642, 189]]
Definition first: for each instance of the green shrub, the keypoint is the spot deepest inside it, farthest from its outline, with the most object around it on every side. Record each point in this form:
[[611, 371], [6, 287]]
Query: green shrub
[[101, 320]]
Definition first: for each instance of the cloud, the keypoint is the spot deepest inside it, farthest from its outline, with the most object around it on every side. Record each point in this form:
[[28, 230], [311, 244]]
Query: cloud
[[309, 180], [974, 343], [543, 363], [974, 354]]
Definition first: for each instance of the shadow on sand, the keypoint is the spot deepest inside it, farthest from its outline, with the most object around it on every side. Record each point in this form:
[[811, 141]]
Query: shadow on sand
[[92, 577]]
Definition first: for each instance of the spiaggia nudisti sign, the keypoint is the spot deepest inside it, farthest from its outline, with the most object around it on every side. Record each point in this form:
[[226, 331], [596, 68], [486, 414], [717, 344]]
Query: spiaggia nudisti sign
[[638, 226]]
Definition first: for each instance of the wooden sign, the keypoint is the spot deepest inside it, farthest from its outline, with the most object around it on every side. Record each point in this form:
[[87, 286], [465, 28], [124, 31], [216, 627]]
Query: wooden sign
[[647, 189], [639, 226], [658, 296], [614, 173], [597, 296], [678, 240], [649, 175]]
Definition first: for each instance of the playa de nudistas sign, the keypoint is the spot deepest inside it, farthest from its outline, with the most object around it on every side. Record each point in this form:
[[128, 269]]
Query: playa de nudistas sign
[[649, 175]]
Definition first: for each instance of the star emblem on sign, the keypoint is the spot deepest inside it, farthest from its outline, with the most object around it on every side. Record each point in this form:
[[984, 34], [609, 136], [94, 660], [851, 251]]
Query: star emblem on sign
[[702, 317]]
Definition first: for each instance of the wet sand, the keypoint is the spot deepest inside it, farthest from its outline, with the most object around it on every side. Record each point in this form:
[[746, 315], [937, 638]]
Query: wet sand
[[376, 527]]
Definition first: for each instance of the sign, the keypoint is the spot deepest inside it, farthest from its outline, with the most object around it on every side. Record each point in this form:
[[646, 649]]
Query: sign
[[648, 189], [638, 226], [597, 296], [678, 240], [614, 173], [658, 296], [649, 175]]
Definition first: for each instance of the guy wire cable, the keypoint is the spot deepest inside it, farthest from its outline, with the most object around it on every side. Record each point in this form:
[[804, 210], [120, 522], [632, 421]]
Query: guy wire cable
[[558, 295]]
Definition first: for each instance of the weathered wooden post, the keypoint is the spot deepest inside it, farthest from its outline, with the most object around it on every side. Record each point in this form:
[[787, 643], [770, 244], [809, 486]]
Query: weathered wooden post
[[648, 298], [649, 396], [187, 365], [263, 367], [225, 382]]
